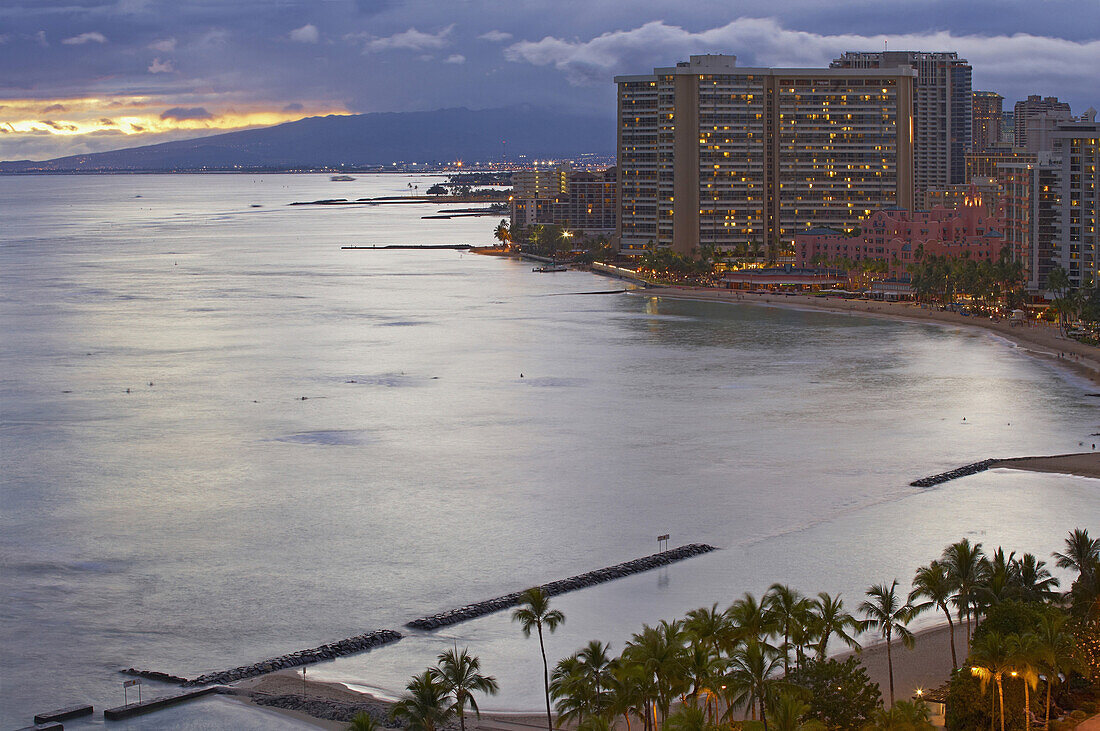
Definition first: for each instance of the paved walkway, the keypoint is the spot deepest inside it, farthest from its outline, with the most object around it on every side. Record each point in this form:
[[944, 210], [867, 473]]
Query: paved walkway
[[1090, 724]]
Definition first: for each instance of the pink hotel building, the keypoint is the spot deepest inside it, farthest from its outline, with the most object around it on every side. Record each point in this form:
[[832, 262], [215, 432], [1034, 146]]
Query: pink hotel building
[[894, 235]]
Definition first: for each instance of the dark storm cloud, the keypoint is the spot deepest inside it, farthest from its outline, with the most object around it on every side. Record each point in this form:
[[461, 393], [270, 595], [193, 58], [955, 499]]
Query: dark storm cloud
[[179, 113], [394, 55]]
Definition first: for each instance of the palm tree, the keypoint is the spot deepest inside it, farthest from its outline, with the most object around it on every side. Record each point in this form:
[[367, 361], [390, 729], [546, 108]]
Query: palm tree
[[363, 721], [831, 619], [709, 627], [935, 583], [424, 707], [1032, 582], [751, 677], [998, 579], [1055, 650], [1081, 553], [595, 664], [460, 674], [501, 232], [688, 718], [625, 685], [789, 608], [660, 652], [990, 659], [787, 712], [573, 695], [886, 613], [750, 620], [1024, 654], [902, 716], [964, 564], [535, 613]]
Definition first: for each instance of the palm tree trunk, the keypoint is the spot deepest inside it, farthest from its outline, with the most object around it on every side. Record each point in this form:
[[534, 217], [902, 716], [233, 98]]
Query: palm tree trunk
[[1027, 706], [546, 681], [1048, 702], [1001, 698], [890, 667], [763, 714], [951, 634], [461, 718]]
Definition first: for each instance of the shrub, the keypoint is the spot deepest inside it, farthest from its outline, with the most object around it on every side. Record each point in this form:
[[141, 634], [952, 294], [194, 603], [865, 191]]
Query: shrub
[[840, 694]]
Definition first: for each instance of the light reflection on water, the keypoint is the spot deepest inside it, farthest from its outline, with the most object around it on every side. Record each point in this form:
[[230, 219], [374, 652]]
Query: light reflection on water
[[331, 445]]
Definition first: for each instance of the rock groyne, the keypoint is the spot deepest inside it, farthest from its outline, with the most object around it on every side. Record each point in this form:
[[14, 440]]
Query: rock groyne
[[964, 471], [331, 651], [599, 576], [330, 710]]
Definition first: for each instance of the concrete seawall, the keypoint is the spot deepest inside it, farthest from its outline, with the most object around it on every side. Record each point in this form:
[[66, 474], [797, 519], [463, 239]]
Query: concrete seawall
[[599, 576]]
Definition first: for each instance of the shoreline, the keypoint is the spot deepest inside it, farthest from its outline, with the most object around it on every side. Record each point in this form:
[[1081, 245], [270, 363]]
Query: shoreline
[[1034, 339], [1080, 464], [926, 666]]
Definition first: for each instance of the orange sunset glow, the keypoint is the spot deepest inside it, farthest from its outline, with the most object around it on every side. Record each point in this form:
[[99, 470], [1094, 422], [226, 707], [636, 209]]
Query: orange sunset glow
[[137, 115]]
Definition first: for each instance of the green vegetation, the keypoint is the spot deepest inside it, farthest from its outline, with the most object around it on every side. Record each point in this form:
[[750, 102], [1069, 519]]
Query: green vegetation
[[535, 613], [1033, 653], [992, 284]]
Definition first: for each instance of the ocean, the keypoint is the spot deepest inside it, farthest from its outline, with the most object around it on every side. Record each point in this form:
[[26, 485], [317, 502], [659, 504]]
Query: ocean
[[223, 438]]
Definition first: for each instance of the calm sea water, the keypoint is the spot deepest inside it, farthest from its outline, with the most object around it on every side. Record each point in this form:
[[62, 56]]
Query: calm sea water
[[223, 438]]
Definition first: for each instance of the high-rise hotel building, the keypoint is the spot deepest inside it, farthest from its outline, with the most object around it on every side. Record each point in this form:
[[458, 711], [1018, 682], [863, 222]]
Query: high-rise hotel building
[[713, 154], [1052, 205], [942, 110]]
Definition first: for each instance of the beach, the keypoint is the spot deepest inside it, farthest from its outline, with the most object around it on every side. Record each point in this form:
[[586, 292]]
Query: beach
[[1036, 339], [927, 666], [1084, 464]]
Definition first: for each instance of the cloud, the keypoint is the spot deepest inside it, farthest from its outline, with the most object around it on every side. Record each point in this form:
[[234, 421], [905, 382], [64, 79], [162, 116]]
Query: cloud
[[455, 58], [55, 108], [306, 34], [181, 113], [496, 36], [293, 107], [165, 46], [5, 37], [83, 38], [412, 40], [159, 67], [40, 38], [107, 122], [59, 126], [1012, 60]]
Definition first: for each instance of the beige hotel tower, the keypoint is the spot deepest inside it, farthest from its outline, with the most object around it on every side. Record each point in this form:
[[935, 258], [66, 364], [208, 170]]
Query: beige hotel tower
[[713, 154]]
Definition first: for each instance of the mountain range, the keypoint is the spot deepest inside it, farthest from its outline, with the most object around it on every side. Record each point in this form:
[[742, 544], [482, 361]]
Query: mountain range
[[356, 140]]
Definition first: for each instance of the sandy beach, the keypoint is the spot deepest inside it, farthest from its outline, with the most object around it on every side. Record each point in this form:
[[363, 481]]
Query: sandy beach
[[926, 666], [1082, 464], [1037, 339]]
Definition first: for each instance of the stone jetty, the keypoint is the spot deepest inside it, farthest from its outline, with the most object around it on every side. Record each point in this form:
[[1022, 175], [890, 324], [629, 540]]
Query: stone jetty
[[599, 576], [331, 651], [964, 471], [154, 675]]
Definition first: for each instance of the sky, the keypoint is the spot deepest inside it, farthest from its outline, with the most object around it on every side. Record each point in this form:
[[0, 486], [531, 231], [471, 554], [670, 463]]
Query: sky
[[80, 76]]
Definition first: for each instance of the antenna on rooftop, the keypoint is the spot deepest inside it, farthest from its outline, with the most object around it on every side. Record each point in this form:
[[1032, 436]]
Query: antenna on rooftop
[[503, 151]]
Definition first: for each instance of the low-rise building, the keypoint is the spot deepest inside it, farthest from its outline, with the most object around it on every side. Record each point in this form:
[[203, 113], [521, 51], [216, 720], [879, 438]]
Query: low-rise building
[[900, 238]]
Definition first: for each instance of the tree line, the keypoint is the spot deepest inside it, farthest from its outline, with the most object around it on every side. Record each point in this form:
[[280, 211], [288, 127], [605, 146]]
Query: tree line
[[1031, 648]]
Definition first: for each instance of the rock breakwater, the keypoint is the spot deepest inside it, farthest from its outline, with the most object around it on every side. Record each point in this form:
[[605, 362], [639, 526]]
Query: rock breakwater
[[591, 578], [330, 651], [964, 471]]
